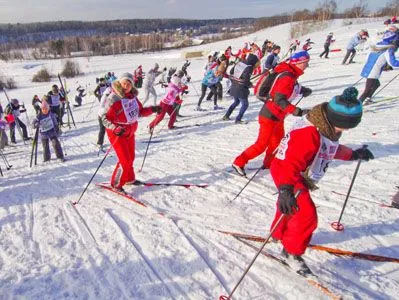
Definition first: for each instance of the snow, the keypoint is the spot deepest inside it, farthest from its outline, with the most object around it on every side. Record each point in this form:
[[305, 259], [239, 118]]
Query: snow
[[109, 248]]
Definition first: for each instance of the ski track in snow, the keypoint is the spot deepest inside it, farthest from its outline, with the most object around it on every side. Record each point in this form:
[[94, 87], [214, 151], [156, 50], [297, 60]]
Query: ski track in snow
[[110, 248]]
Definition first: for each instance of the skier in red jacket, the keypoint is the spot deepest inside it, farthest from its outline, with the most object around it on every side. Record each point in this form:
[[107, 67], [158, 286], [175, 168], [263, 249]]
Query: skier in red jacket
[[302, 159], [119, 116], [271, 117]]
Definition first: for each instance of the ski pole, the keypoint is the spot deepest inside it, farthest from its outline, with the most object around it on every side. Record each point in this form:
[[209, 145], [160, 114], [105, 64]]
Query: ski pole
[[1, 172], [8, 166], [337, 225], [98, 168], [195, 89], [146, 151], [357, 81], [229, 297], [248, 182], [35, 138], [385, 85]]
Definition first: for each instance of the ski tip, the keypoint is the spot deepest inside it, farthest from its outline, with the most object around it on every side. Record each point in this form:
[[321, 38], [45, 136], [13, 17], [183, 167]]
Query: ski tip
[[222, 297]]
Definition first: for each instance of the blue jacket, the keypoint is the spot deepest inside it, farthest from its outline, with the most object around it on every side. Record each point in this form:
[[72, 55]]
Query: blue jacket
[[376, 62], [354, 42], [210, 78]]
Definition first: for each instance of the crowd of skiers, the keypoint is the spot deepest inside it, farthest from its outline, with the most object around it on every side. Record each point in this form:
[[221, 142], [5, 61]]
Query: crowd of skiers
[[297, 159]]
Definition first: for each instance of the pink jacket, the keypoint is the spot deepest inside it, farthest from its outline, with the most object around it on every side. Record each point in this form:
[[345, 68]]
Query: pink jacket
[[174, 89]]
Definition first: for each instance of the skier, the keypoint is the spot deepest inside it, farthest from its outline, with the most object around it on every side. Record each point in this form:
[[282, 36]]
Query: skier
[[3, 135], [308, 45], [101, 87], [79, 95], [382, 58], [242, 53], [258, 52], [302, 159], [210, 80], [149, 83], [356, 40], [12, 113], [101, 132], [138, 77], [119, 116], [327, 43], [271, 117], [240, 76], [47, 123], [55, 100], [169, 104], [36, 102], [271, 60], [162, 79], [292, 48], [221, 65]]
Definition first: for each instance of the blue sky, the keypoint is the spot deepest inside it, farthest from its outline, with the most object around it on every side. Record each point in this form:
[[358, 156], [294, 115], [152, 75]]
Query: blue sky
[[13, 11]]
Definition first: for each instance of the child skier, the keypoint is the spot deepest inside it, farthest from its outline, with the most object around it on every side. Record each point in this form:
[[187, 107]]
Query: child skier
[[47, 123], [171, 102], [119, 116], [302, 159], [12, 112]]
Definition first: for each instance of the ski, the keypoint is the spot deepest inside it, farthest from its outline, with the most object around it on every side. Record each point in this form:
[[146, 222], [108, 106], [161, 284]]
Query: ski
[[334, 251], [150, 184], [186, 185], [312, 279], [127, 196], [363, 199], [152, 141]]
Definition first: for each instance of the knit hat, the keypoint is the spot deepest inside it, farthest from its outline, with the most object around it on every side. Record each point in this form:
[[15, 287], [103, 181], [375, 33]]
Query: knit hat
[[299, 57], [127, 76], [345, 111], [44, 106]]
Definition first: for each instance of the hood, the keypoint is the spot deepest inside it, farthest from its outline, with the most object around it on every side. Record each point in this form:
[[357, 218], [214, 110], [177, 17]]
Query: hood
[[286, 67]]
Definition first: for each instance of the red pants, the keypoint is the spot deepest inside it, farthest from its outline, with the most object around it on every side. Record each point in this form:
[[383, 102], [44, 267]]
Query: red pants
[[295, 231], [166, 108], [269, 137], [124, 147]]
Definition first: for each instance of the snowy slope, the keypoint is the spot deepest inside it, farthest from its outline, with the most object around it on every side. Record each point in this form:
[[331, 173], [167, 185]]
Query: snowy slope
[[110, 248]]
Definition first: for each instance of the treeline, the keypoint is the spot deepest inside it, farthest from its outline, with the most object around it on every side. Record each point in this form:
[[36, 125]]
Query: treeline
[[49, 30]]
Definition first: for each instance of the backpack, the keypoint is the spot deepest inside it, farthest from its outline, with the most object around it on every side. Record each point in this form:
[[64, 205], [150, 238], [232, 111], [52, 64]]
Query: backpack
[[265, 83]]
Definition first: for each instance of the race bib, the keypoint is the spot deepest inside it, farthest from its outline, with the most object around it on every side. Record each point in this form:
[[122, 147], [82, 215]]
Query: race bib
[[46, 124], [322, 159], [239, 69], [131, 110], [55, 100]]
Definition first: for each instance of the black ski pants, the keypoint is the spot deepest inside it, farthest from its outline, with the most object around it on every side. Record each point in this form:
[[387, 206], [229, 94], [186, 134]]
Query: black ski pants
[[352, 54], [203, 92], [46, 148], [326, 50], [372, 85], [12, 130], [101, 133]]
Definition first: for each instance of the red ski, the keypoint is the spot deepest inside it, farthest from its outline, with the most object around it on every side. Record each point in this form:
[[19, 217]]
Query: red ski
[[127, 196], [186, 185], [334, 251]]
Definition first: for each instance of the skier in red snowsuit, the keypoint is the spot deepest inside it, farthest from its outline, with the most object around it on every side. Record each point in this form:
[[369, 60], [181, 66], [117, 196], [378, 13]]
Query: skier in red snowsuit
[[119, 116], [273, 112], [302, 159]]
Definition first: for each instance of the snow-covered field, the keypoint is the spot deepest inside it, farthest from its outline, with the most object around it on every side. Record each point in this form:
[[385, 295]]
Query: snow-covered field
[[110, 248]]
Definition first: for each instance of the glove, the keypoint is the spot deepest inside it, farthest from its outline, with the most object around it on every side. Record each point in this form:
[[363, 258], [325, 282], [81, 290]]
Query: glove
[[286, 200], [186, 92], [156, 109], [306, 91], [300, 112], [178, 101], [362, 153], [119, 130]]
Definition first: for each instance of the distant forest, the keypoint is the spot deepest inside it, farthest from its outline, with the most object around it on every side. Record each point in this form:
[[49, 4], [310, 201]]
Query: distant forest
[[39, 32]]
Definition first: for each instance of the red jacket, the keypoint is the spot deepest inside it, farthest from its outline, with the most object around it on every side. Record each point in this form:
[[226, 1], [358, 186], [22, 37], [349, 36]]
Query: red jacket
[[279, 106], [302, 145], [114, 115]]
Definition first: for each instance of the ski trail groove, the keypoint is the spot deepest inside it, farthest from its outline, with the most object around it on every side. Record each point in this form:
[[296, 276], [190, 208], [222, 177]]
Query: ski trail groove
[[140, 252], [196, 247]]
